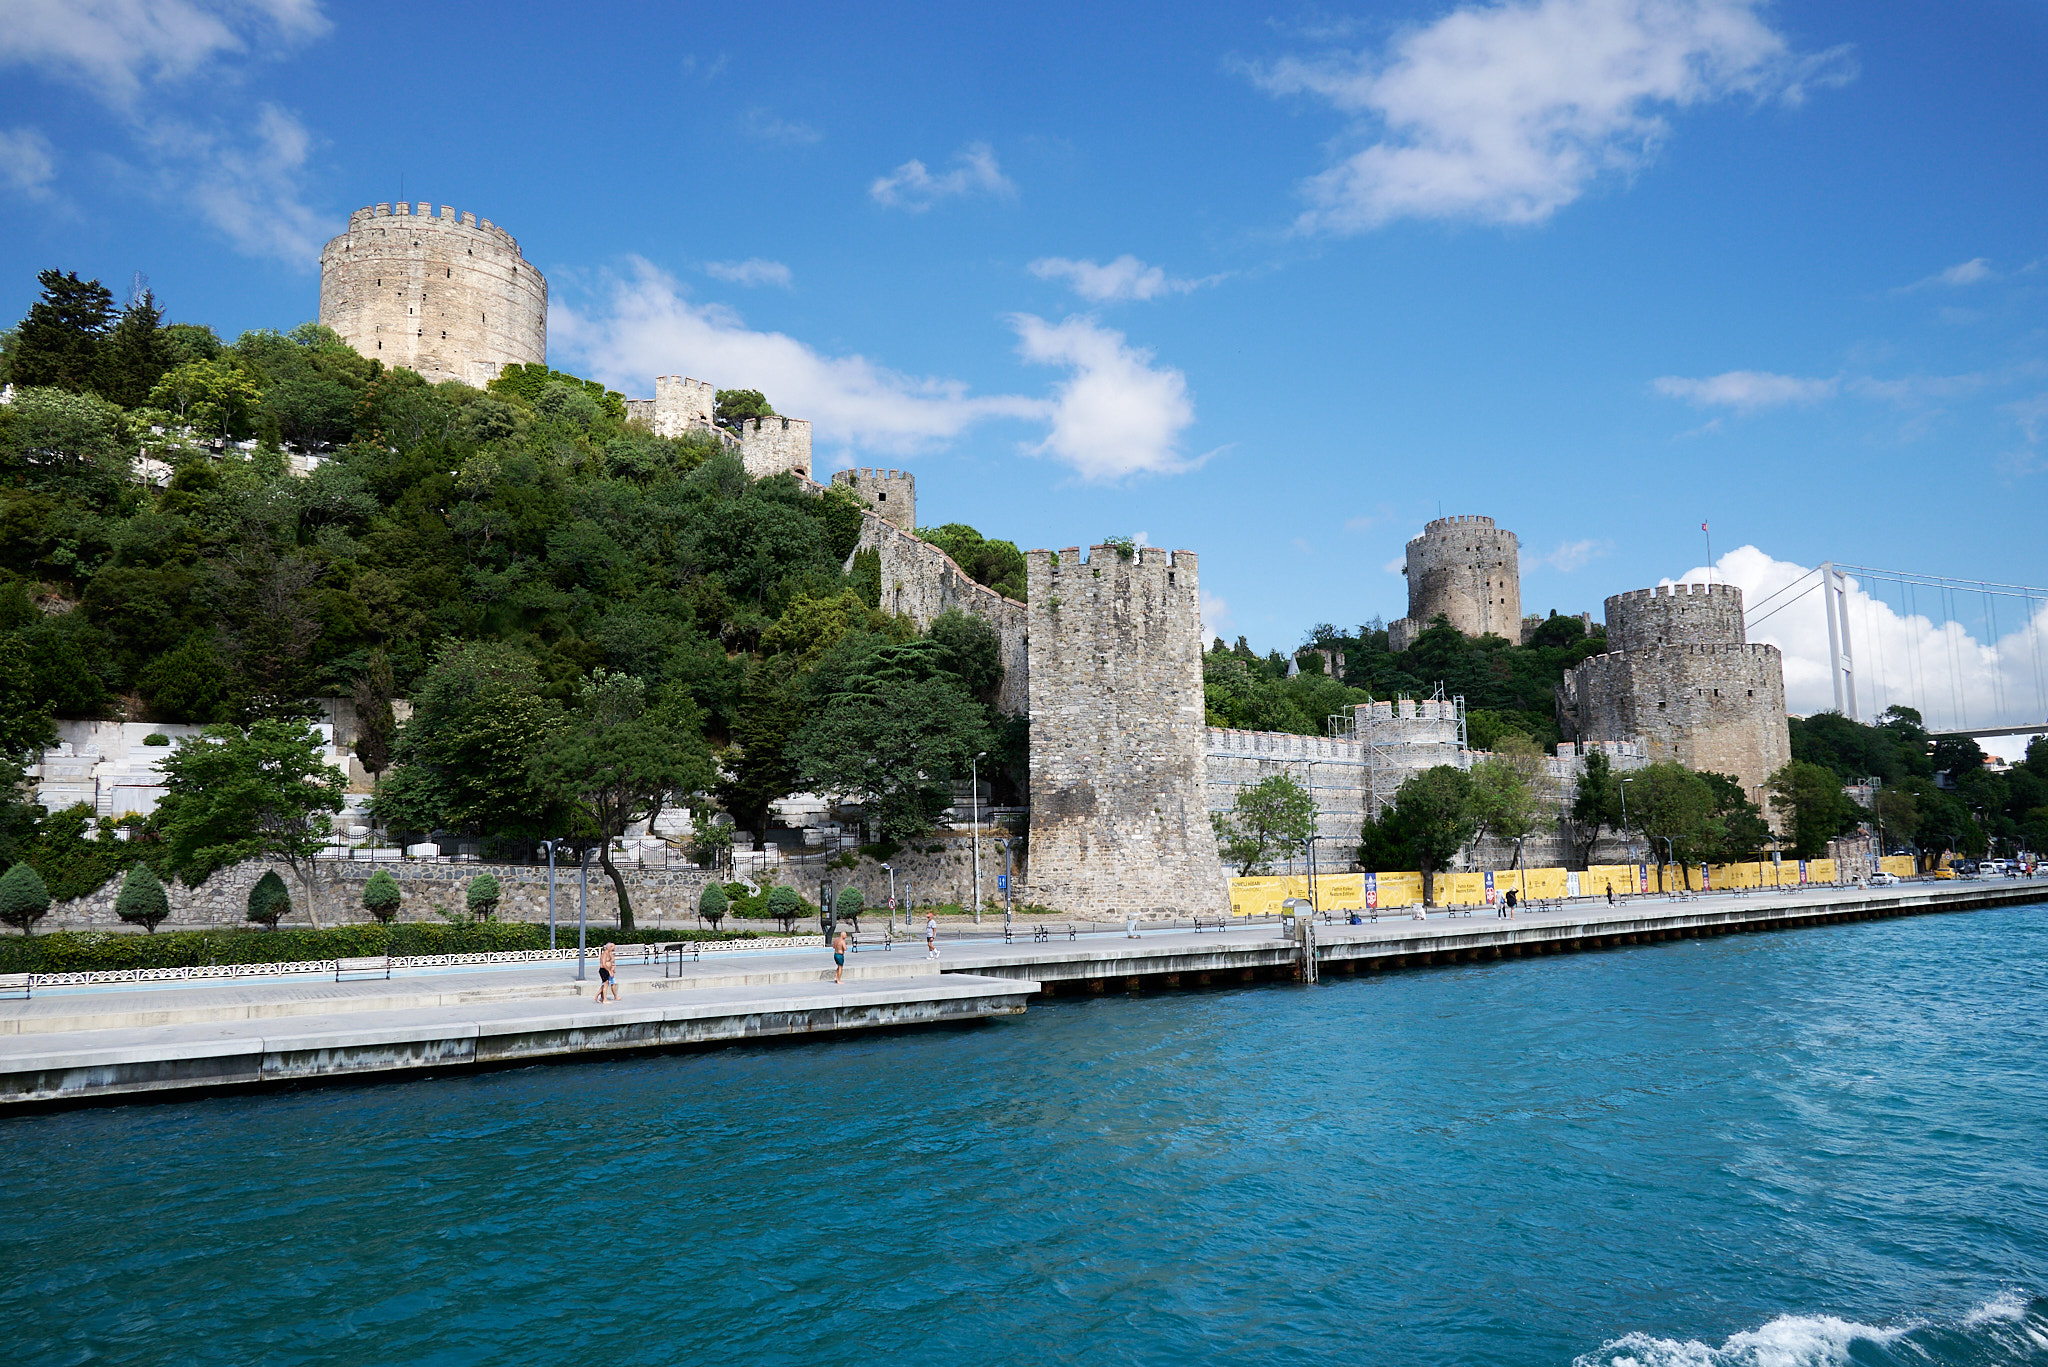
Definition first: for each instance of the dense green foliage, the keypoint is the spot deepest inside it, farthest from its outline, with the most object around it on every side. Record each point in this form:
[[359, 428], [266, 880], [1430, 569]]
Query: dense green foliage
[[482, 897], [98, 951], [382, 897], [269, 900], [998, 564], [1433, 816], [711, 903], [1271, 819], [142, 900], [23, 898]]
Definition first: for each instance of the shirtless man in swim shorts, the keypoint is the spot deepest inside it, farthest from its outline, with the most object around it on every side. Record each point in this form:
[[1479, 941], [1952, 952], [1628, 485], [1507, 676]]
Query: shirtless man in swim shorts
[[839, 956], [607, 970]]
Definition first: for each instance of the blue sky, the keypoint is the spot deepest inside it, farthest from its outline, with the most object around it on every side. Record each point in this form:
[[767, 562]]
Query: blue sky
[[1271, 285]]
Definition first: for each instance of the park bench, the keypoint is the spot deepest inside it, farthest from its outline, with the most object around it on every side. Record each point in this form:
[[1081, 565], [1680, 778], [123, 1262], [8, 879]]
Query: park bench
[[853, 942], [1217, 925], [24, 983], [379, 964], [1042, 934]]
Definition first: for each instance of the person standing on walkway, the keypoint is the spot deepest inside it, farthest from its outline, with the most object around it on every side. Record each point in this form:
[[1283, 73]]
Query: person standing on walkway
[[607, 966], [839, 956], [1610, 892], [931, 935]]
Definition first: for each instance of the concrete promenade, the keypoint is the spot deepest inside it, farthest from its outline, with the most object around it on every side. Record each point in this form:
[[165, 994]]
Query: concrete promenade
[[109, 1041]]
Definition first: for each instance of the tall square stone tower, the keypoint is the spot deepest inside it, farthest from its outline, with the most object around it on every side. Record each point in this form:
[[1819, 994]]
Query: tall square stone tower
[[1119, 800]]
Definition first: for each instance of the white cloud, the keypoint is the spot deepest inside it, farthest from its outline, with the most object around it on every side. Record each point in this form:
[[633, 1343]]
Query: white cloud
[[1397, 565], [1572, 555], [762, 126], [1744, 390], [753, 271], [248, 183], [1124, 278], [117, 48], [1906, 652], [1506, 112], [1216, 619], [1972, 272], [644, 326], [911, 186], [1118, 414], [27, 162]]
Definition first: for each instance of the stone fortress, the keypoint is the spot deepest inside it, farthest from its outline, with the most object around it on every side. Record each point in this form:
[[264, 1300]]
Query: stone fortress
[[1468, 570], [449, 297], [765, 446]]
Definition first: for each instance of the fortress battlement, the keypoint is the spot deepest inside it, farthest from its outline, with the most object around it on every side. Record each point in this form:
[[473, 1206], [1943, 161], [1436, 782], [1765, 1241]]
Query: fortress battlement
[[1679, 591], [1462, 522], [1611, 659], [891, 494], [366, 218], [1158, 557]]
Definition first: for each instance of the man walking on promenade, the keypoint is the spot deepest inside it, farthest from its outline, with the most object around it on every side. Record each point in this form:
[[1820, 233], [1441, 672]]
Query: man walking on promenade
[[839, 956], [607, 965], [931, 936]]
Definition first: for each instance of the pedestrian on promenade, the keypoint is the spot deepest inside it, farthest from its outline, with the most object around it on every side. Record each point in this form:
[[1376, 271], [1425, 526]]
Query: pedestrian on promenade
[[931, 935], [1130, 925], [1610, 892], [607, 963], [839, 956], [1511, 901]]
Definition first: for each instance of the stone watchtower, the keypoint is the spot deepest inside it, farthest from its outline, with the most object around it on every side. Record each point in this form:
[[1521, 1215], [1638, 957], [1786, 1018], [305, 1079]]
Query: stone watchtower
[[772, 445], [1470, 571], [1119, 792], [891, 493], [1681, 674], [449, 297]]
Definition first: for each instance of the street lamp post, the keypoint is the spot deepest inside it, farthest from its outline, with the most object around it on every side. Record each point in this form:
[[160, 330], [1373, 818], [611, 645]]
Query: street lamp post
[[583, 917], [550, 844], [1310, 843], [890, 869], [974, 792], [1008, 879]]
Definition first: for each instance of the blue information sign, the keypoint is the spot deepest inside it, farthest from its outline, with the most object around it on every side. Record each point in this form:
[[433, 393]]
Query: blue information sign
[[1002, 882]]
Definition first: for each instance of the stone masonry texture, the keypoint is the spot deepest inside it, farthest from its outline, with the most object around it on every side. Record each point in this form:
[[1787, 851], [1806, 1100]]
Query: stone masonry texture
[[1687, 683], [447, 296], [1470, 571], [921, 581], [1119, 793], [891, 493]]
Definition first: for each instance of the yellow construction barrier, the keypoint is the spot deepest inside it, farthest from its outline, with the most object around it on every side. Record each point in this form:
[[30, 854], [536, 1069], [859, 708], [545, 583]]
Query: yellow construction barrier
[[1265, 895]]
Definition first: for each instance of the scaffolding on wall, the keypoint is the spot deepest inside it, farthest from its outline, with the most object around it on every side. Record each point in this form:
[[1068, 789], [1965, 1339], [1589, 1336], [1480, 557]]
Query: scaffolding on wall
[[1401, 736]]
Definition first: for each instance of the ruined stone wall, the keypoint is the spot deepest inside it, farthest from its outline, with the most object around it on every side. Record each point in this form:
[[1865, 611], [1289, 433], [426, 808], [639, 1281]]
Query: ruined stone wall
[[1711, 707], [922, 581], [1468, 570], [1675, 615], [447, 296], [1119, 798], [891, 493], [771, 446]]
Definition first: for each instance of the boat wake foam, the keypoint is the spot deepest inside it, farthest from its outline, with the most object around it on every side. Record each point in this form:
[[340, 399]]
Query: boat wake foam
[[2009, 1329]]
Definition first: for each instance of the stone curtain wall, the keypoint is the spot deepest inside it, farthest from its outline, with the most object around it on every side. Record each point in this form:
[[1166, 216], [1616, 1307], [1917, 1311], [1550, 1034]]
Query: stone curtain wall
[[892, 494], [1713, 707], [921, 581], [771, 446], [680, 404], [1237, 760], [1468, 570], [1119, 797], [1675, 615], [447, 296]]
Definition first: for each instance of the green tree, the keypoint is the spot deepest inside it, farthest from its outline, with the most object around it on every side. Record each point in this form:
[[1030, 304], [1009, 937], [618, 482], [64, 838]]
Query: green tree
[[1432, 818], [483, 897], [375, 726], [849, 904], [1272, 817], [23, 898], [216, 396], [1674, 808], [998, 564], [710, 839], [381, 896], [142, 900], [1809, 799], [25, 726], [1596, 805], [132, 359], [77, 854], [618, 760], [731, 407], [70, 445], [784, 905], [62, 342], [1510, 792], [894, 743], [269, 902], [1897, 813], [232, 794], [711, 904]]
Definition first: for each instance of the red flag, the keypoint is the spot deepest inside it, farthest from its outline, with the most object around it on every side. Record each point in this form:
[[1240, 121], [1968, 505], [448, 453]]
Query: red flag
[[1703, 526]]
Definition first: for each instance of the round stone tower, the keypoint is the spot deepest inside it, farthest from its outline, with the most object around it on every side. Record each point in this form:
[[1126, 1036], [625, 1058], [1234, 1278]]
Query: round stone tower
[[447, 296], [1675, 615], [1470, 571]]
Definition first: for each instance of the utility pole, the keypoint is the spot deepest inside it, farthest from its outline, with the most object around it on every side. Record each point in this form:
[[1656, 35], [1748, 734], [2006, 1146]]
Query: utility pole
[[583, 918], [974, 791]]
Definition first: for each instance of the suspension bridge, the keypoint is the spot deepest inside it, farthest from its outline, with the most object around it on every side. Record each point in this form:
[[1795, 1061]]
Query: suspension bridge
[[1967, 654]]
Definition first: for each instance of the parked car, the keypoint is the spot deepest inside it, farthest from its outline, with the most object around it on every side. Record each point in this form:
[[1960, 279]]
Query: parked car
[[1949, 872], [1881, 879]]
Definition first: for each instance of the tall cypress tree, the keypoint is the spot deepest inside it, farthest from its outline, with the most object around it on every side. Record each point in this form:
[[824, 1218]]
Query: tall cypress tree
[[63, 341], [134, 356]]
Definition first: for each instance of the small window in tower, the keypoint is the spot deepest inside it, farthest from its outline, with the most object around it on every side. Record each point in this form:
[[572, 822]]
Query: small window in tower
[[881, 498], [448, 272]]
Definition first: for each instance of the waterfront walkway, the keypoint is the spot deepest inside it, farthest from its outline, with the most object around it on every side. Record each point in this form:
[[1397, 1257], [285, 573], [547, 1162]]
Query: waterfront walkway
[[108, 1041]]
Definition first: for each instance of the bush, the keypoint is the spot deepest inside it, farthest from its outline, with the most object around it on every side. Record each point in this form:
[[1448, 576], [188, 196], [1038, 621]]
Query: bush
[[711, 904], [268, 901], [24, 899], [784, 904], [85, 951], [381, 897], [850, 903], [483, 896], [142, 901], [156, 738]]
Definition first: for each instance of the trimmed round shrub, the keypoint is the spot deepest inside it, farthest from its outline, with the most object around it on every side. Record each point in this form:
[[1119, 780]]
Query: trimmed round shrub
[[850, 903], [269, 902], [24, 899], [483, 895], [783, 904], [142, 901], [381, 897], [711, 904]]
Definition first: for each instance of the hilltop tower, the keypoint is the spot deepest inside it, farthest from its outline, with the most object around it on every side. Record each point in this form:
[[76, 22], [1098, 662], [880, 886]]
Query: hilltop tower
[[1470, 571], [765, 446], [773, 445], [449, 297], [1119, 797], [1681, 674], [891, 493]]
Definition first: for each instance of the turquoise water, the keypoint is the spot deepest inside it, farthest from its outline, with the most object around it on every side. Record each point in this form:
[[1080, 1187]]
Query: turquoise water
[[1820, 1146]]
